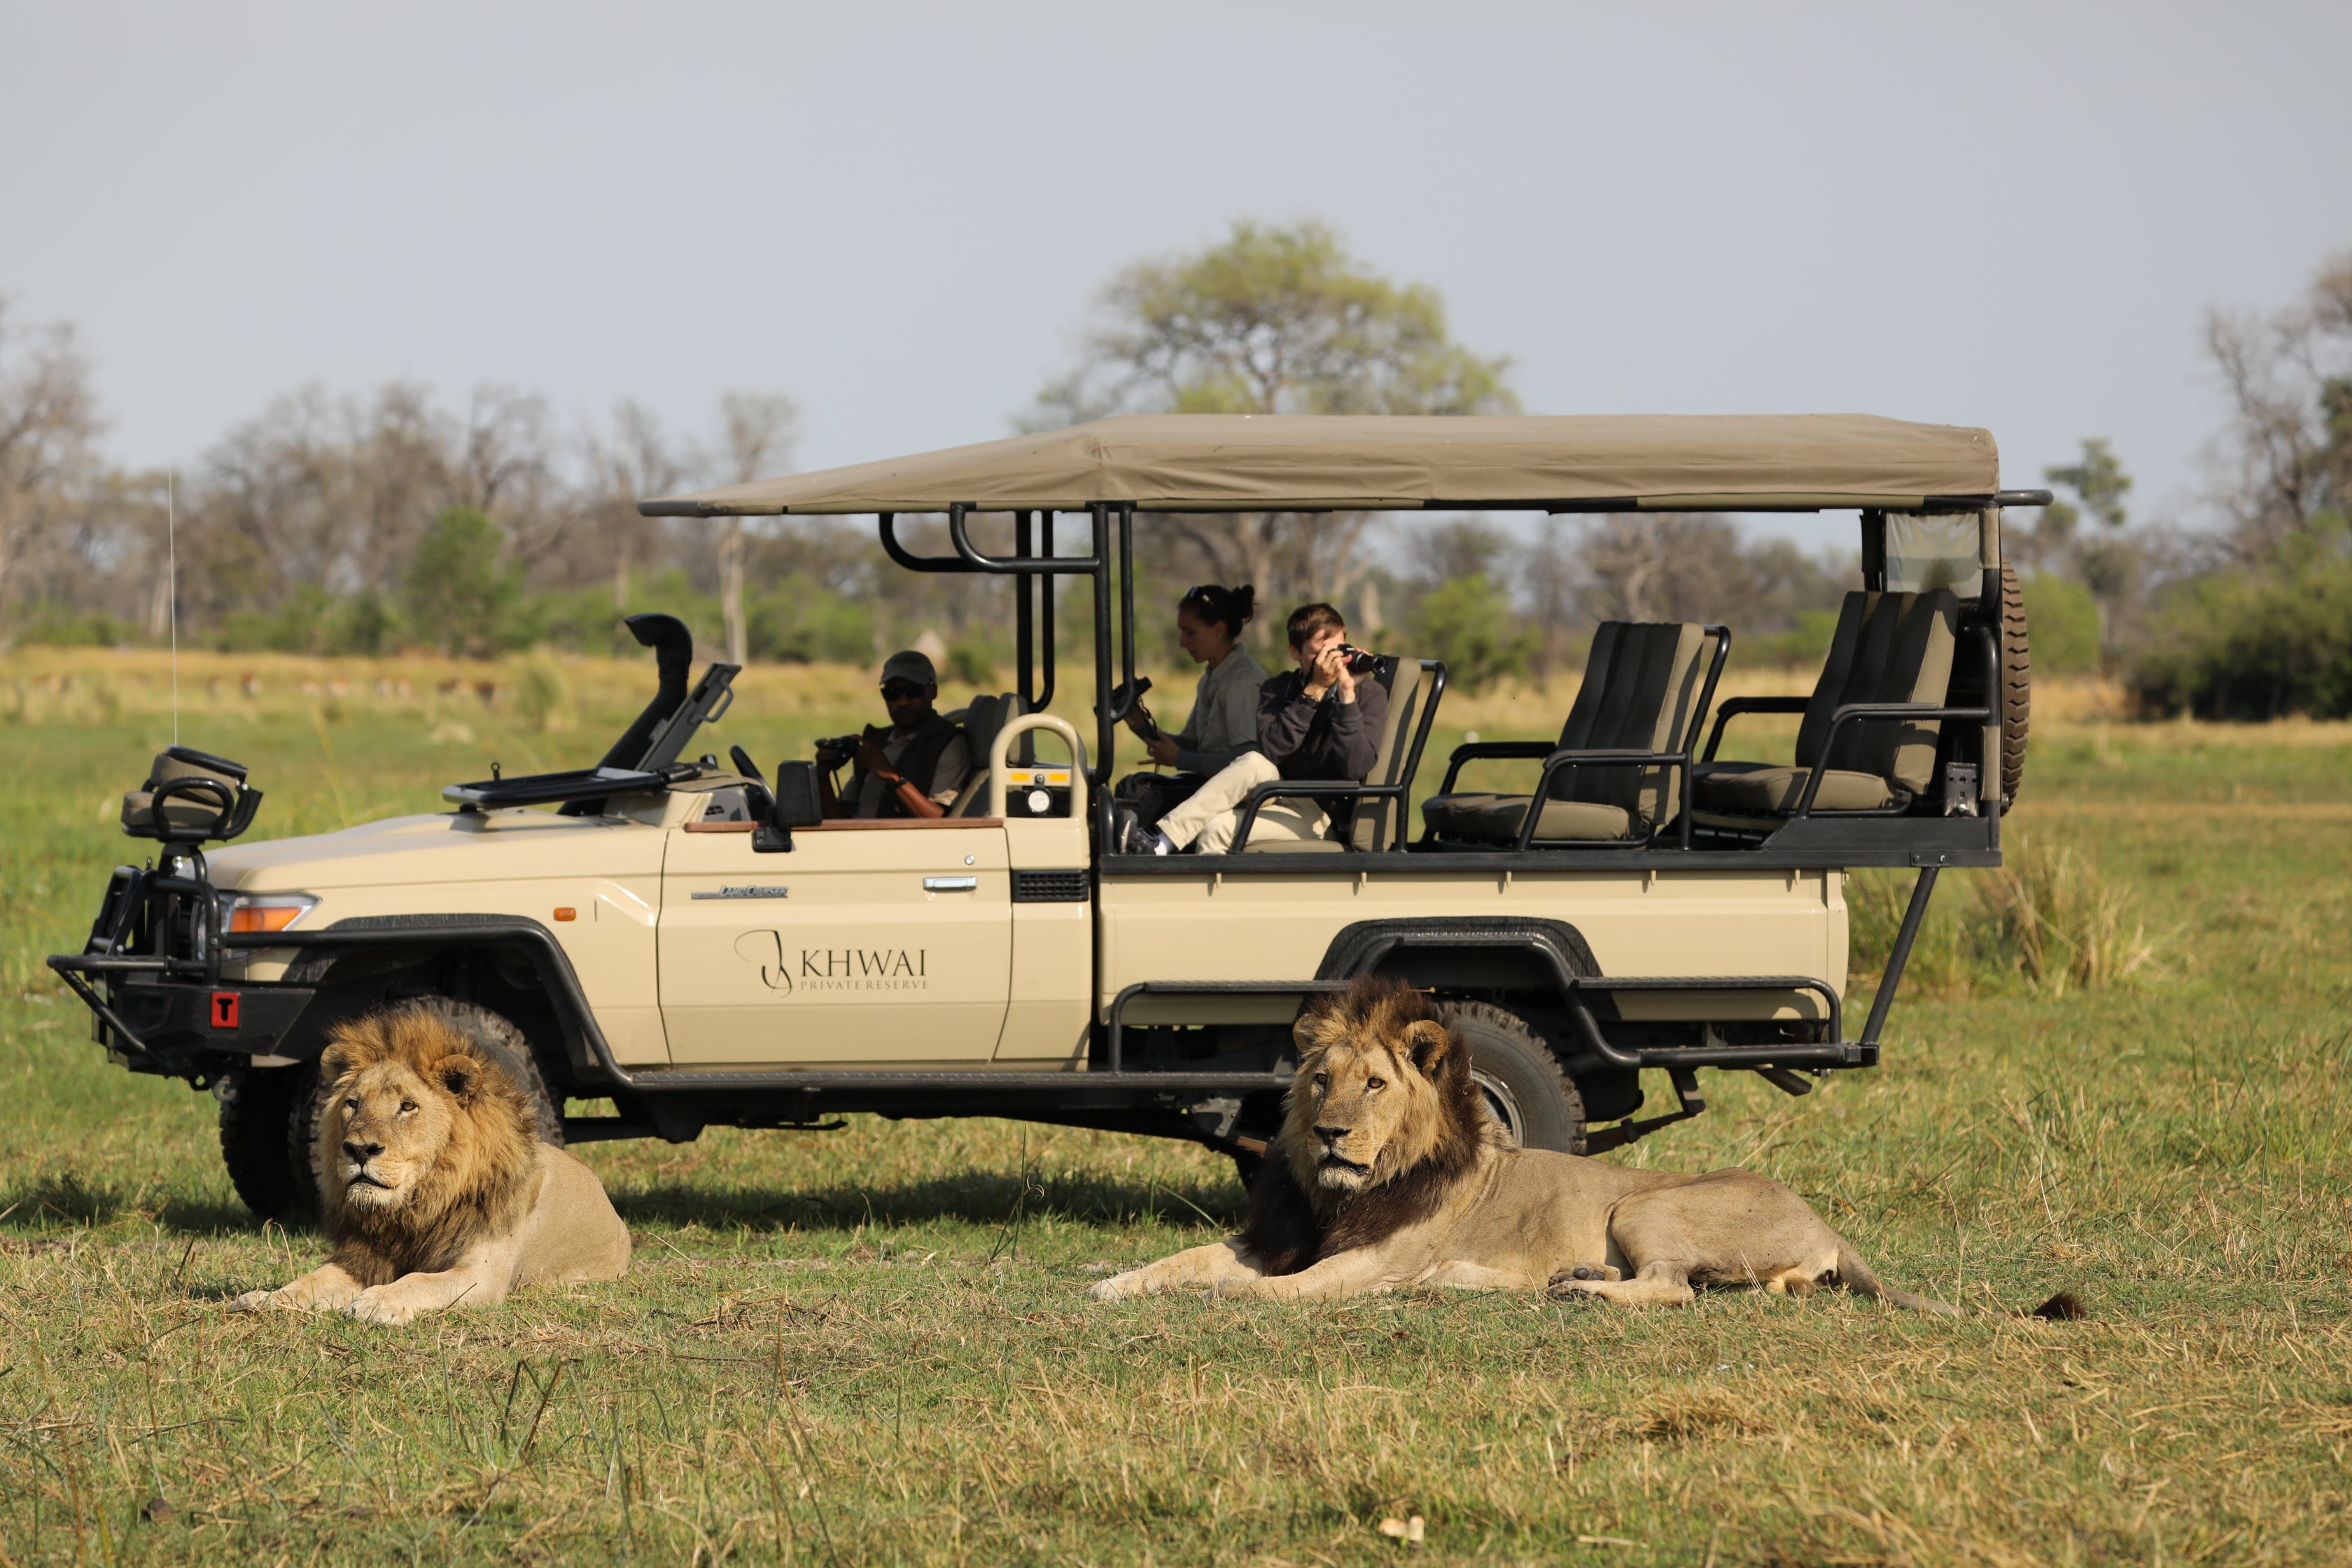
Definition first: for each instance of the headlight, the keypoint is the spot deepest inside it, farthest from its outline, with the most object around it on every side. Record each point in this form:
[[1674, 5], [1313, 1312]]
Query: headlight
[[244, 913]]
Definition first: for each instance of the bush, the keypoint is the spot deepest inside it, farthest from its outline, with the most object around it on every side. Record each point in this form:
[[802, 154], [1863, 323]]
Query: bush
[[57, 628], [542, 697], [1804, 646], [2252, 645], [2062, 625], [801, 621], [2049, 920], [1467, 622], [461, 591]]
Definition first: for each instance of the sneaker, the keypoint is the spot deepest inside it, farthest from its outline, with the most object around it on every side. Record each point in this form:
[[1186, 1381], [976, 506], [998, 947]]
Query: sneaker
[[1131, 836]]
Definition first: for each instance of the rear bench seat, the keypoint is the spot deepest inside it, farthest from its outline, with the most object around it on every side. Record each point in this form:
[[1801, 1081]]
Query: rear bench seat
[[1889, 649], [1645, 695]]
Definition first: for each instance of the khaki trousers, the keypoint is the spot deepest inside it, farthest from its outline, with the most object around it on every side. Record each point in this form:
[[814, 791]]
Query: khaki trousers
[[1208, 820]]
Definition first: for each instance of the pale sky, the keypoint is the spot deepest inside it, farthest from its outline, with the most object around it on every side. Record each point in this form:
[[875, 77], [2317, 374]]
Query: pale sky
[[2006, 215]]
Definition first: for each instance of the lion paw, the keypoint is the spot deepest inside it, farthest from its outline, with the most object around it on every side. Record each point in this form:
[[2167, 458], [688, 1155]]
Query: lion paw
[[1571, 1285], [1117, 1287], [379, 1307], [256, 1302]]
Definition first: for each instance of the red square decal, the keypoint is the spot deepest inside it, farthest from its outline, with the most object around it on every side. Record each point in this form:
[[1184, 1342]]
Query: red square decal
[[224, 1009]]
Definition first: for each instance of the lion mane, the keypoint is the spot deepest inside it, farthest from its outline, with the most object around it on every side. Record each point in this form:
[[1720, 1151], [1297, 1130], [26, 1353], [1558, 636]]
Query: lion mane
[[1292, 1222], [479, 1183]]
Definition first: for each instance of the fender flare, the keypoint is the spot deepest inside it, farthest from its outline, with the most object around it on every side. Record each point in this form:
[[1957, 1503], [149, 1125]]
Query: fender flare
[[1478, 950], [584, 1046]]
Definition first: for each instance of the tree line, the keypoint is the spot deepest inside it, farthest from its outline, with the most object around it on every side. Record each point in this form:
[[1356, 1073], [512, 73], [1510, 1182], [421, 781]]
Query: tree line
[[369, 524]]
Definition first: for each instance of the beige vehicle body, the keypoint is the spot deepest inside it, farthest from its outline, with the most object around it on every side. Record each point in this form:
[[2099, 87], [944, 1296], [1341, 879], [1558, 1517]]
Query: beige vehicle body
[[688, 941]]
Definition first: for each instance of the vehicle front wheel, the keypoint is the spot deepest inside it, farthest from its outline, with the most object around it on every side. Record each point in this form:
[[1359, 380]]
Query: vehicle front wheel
[[266, 1123], [1519, 1077]]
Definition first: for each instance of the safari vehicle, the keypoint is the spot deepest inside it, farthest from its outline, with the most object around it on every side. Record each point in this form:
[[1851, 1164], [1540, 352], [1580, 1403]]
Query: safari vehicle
[[687, 940]]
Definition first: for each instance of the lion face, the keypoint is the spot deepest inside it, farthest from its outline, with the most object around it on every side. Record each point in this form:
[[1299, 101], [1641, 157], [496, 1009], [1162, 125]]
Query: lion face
[[1366, 1104], [387, 1126]]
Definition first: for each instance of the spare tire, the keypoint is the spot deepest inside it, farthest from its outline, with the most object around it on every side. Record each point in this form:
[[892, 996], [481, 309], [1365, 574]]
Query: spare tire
[[2016, 685]]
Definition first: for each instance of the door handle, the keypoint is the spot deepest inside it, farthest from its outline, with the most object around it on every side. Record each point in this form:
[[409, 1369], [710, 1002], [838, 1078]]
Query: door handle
[[949, 884]]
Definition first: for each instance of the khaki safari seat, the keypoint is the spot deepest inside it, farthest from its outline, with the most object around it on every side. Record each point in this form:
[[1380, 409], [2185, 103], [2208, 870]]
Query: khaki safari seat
[[190, 795], [1889, 649], [982, 718], [1616, 772], [1379, 821]]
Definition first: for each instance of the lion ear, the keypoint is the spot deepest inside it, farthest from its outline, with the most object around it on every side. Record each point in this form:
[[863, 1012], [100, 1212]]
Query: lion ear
[[1431, 1043], [461, 1075]]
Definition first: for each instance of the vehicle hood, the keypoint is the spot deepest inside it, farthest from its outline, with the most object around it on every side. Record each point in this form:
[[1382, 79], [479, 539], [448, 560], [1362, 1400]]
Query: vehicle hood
[[443, 847]]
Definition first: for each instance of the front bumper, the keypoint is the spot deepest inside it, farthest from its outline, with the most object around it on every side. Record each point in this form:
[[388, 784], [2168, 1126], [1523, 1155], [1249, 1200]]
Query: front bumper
[[180, 1028]]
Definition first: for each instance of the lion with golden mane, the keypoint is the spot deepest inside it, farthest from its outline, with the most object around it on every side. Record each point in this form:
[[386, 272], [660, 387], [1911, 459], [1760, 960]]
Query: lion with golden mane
[[435, 1187], [1389, 1173]]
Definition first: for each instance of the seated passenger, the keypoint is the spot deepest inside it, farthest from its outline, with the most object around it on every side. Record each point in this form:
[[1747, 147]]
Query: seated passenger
[[1322, 720], [1209, 622], [915, 767]]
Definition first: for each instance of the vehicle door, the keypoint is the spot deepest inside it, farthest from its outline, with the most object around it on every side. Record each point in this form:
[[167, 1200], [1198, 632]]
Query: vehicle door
[[868, 943]]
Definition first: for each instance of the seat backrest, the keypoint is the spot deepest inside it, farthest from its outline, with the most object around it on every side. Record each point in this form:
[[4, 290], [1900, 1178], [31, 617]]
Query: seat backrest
[[981, 719], [1888, 648], [1409, 687], [1640, 690], [1599, 666]]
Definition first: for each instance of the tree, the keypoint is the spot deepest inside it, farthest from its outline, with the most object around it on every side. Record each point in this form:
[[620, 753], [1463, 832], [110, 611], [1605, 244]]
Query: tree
[[2108, 564], [460, 589], [1273, 321], [1467, 622], [757, 429], [49, 425], [2288, 455]]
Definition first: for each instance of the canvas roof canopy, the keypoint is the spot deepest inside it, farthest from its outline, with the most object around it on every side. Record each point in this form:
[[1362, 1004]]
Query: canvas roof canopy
[[1220, 462]]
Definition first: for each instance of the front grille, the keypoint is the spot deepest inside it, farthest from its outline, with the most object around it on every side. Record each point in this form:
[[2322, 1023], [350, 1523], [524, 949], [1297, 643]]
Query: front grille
[[1049, 887]]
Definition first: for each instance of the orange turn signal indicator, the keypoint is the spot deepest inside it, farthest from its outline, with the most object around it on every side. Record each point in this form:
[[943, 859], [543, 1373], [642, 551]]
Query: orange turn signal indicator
[[267, 912], [567, 913]]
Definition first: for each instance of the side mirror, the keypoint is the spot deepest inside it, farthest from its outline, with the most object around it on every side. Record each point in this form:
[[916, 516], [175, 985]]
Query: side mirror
[[796, 805]]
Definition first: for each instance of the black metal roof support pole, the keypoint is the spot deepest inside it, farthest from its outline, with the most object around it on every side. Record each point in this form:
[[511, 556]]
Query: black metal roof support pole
[[1126, 603], [1913, 915], [1024, 651], [1099, 773], [1045, 611]]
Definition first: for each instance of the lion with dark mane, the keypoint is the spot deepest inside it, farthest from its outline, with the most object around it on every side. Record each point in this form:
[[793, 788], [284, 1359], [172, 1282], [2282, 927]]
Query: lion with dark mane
[[1389, 1173], [435, 1187]]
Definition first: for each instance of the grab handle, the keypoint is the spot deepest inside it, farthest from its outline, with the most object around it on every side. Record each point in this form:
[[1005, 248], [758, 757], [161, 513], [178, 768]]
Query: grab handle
[[1000, 749]]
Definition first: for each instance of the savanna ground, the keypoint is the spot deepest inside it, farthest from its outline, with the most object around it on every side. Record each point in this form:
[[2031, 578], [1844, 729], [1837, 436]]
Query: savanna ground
[[874, 1345]]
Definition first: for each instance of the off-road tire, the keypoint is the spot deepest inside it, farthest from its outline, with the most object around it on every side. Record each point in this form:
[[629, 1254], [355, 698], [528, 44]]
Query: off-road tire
[[1521, 1077], [2016, 685], [266, 1121]]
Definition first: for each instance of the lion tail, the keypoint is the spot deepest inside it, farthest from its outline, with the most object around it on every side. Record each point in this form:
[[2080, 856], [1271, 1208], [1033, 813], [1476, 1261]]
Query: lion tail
[[2062, 1308], [1855, 1275]]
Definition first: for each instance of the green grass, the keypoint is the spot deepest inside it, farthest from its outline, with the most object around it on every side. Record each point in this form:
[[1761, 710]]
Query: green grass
[[874, 1345]]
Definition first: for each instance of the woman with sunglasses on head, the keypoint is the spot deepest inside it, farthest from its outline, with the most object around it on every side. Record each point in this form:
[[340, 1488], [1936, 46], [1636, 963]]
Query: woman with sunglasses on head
[[1224, 723]]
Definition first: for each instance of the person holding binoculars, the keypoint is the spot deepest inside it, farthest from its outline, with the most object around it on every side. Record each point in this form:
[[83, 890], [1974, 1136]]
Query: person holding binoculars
[[1321, 720], [914, 767]]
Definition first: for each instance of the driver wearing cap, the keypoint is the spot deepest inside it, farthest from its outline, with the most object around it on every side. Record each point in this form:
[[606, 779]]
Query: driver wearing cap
[[913, 768]]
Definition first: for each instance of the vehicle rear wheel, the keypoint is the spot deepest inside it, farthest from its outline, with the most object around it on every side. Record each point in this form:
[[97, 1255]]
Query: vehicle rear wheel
[[2016, 685], [266, 1121], [1519, 1077]]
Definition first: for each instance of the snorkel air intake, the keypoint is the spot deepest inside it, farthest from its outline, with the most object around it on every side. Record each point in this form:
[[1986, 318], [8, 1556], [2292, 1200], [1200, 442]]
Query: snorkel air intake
[[673, 648]]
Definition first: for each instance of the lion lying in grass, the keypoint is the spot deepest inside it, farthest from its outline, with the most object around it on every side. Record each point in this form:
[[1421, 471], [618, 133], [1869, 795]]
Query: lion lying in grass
[[435, 1189], [1389, 1172]]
